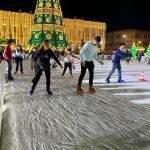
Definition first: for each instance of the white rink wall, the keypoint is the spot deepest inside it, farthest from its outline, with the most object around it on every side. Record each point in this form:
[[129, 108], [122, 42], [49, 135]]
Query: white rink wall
[[3, 68]]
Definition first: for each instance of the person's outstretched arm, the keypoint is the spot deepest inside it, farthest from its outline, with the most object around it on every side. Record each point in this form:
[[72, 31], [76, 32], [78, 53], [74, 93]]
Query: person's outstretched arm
[[29, 55], [37, 55], [55, 58], [75, 56], [120, 54], [97, 58]]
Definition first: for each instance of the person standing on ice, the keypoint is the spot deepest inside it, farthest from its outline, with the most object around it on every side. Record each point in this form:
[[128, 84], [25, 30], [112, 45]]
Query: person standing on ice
[[43, 64], [19, 59], [67, 58], [33, 53], [87, 54], [8, 57], [116, 63]]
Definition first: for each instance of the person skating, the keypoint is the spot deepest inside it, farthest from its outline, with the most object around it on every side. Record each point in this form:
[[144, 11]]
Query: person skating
[[19, 59], [32, 53], [87, 54], [8, 58], [140, 54], [116, 63], [43, 55], [128, 56], [68, 64]]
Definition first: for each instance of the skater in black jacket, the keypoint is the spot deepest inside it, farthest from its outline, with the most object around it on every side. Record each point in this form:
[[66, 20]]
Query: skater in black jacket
[[43, 64]]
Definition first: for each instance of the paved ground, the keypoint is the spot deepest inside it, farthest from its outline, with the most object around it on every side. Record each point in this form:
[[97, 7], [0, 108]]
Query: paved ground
[[117, 117]]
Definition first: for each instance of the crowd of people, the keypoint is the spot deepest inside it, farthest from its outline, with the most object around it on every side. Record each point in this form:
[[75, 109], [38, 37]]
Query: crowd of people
[[41, 62]]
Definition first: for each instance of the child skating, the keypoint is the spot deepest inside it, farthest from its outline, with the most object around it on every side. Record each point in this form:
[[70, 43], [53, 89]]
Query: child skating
[[68, 64]]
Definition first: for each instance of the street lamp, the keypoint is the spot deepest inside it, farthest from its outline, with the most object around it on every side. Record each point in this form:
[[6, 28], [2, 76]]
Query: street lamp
[[124, 36]]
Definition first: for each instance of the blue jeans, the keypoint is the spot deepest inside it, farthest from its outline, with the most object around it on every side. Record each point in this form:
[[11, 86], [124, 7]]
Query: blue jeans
[[114, 67], [9, 69]]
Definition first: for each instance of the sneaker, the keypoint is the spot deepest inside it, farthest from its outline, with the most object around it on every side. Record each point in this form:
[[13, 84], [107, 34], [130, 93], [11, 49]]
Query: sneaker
[[107, 81], [21, 72], [91, 89], [49, 92], [79, 90], [121, 81]]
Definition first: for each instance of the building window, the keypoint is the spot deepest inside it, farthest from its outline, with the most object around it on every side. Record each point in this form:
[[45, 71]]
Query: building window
[[100, 31], [86, 33], [112, 37], [137, 36], [79, 35], [71, 34], [93, 32]]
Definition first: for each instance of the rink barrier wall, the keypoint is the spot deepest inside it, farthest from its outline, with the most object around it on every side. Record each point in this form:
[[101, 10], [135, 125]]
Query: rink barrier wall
[[3, 81]]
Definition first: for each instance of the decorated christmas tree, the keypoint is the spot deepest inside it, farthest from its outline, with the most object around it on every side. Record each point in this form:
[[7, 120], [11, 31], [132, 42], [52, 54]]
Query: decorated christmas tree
[[48, 25], [133, 50], [148, 51]]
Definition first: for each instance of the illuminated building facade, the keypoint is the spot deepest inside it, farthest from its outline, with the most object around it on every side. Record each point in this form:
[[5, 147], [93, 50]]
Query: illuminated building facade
[[141, 39], [18, 26]]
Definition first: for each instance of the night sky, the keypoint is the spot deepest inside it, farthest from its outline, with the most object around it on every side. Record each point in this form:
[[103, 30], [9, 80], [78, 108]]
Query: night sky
[[118, 15]]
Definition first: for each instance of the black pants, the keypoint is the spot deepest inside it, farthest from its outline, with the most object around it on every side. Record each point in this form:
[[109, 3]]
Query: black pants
[[66, 66], [90, 67], [38, 75], [139, 59], [19, 62]]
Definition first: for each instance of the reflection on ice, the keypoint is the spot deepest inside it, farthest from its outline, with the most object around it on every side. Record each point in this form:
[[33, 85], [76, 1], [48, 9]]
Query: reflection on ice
[[144, 93], [144, 101]]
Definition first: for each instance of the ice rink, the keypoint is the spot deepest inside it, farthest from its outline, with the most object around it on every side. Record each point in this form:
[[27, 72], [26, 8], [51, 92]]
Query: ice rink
[[117, 117]]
